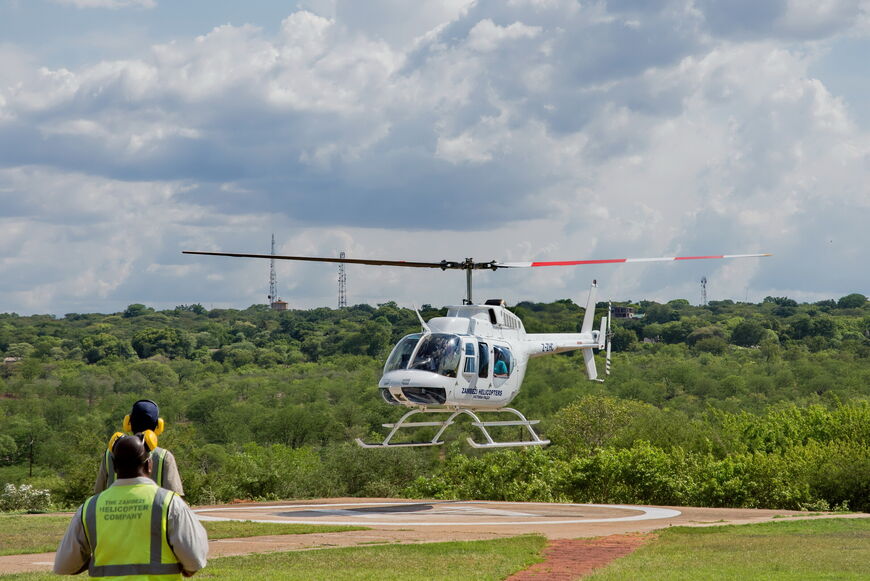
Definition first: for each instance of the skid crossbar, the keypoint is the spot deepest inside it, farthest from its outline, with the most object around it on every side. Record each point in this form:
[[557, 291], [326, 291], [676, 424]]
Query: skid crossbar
[[444, 424]]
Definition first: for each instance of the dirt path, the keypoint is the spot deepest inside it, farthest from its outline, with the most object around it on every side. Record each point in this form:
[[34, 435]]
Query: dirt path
[[570, 559]]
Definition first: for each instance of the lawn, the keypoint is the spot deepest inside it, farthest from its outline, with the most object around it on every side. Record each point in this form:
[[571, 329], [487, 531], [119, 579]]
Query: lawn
[[465, 560], [21, 534], [782, 550]]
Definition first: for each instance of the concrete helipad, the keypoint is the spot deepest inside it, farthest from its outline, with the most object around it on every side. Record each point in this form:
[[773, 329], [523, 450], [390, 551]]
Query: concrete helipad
[[446, 519], [403, 513]]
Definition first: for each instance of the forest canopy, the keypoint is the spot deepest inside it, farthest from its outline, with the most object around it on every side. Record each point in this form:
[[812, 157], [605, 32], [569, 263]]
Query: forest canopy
[[727, 404]]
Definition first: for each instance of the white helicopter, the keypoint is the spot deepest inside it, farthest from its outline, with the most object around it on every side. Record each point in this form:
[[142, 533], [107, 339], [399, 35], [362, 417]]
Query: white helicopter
[[473, 360]]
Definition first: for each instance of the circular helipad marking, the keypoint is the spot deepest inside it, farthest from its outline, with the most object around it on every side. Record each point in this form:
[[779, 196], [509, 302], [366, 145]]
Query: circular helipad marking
[[351, 510]]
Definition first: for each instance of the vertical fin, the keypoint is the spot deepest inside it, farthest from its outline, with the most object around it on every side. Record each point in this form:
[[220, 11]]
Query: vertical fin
[[589, 315]]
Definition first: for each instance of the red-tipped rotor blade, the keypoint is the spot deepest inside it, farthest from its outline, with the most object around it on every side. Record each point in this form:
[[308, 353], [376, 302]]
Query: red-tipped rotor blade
[[620, 260]]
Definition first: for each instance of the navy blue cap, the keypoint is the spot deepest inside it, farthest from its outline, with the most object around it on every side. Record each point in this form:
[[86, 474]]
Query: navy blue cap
[[144, 415]]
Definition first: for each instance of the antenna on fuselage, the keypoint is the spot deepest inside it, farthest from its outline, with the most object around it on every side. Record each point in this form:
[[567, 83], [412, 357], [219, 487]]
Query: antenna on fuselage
[[426, 328]]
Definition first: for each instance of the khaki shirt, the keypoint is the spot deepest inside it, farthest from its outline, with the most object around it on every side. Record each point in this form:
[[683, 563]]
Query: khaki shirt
[[184, 533], [171, 477]]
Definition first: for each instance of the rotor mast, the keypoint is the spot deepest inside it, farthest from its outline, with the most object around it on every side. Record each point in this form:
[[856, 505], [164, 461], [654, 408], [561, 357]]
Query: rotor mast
[[469, 266], [468, 270]]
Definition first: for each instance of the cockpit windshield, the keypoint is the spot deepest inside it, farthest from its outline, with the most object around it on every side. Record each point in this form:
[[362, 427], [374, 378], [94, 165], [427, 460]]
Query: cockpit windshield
[[402, 352], [439, 353]]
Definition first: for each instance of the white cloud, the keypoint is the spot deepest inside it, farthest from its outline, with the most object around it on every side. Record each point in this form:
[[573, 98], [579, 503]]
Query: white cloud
[[487, 36]]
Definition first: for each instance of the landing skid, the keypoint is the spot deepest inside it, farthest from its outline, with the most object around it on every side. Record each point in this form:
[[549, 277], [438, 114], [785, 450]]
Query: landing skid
[[444, 424]]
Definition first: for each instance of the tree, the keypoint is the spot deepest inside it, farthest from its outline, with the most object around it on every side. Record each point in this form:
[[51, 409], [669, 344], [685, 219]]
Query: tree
[[48, 347], [163, 341], [8, 449], [653, 331], [656, 313], [676, 331], [623, 339], [591, 422], [852, 301], [702, 333], [195, 308], [136, 310], [102, 345], [823, 327], [781, 301], [21, 350], [747, 333], [716, 345]]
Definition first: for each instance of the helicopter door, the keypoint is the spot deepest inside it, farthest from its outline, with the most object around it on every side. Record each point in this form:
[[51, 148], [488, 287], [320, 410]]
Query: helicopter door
[[469, 369]]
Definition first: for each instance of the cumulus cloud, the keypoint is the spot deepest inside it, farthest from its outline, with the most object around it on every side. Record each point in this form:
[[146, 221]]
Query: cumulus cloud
[[545, 129]]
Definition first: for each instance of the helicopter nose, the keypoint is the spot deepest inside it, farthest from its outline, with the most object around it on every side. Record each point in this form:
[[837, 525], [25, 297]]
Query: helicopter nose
[[414, 387]]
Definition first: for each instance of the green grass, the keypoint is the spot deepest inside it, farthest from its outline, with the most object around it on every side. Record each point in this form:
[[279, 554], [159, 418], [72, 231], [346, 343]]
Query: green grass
[[782, 550], [466, 560], [239, 529], [20, 534]]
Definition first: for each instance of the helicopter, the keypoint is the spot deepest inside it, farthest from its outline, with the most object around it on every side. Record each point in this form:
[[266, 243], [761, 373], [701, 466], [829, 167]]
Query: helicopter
[[472, 361]]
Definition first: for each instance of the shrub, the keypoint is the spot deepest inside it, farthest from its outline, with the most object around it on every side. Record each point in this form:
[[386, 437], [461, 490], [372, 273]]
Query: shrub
[[511, 475], [24, 498]]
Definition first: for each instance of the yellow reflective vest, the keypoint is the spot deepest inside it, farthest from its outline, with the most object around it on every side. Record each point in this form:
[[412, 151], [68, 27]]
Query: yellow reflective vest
[[126, 529], [158, 457]]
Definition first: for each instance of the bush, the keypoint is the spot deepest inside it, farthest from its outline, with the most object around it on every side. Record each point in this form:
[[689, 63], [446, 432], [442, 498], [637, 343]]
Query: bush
[[592, 422], [24, 498], [640, 474], [260, 473], [513, 475]]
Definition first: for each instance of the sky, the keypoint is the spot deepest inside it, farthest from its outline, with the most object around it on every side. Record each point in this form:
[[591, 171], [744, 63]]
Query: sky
[[506, 130]]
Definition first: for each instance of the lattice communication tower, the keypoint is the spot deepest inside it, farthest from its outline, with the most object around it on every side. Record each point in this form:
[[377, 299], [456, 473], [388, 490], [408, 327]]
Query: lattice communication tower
[[273, 279], [342, 284], [274, 301], [704, 291]]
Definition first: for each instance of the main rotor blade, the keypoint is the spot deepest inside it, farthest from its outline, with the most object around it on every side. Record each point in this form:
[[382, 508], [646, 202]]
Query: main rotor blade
[[619, 260], [442, 265]]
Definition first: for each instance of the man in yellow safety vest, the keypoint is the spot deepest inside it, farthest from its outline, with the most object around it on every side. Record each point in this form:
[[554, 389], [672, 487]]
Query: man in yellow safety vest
[[134, 529], [143, 419]]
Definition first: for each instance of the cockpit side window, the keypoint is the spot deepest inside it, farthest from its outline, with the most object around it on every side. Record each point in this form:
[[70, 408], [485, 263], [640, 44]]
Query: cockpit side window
[[483, 370], [503, 361], [402, 352]]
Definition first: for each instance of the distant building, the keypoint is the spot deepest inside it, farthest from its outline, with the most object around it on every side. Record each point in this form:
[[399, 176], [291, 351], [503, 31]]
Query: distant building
[[623, 312], [11, 360], [278, 305]]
